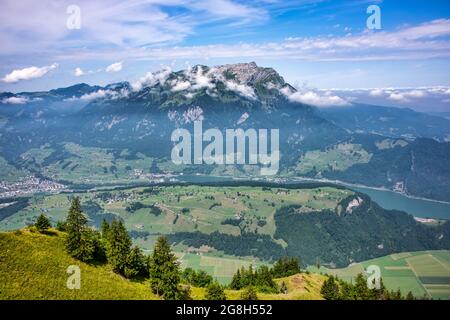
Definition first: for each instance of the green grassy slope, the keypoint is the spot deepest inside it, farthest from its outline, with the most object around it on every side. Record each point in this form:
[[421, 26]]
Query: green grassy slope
[[33, 266]]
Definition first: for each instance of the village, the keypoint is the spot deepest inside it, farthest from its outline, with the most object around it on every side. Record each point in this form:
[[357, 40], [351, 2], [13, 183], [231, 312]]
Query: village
[[29, 185]]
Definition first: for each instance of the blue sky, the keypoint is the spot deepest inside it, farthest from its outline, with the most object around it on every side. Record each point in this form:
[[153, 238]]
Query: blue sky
[[312, 43]]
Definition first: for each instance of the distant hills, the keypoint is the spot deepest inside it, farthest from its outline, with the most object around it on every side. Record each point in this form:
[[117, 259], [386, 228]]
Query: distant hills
[[377, 146]]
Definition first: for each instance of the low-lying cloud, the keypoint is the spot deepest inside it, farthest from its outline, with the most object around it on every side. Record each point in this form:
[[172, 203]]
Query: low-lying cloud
[[315, 98], [15, 100]]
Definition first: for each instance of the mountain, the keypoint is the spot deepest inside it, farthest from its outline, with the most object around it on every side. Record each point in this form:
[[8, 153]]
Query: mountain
[[389, 121], [359, 229], [127, 126]]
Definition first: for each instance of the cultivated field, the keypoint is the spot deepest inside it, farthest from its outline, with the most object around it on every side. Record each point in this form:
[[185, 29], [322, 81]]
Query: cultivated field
[[423, 273]]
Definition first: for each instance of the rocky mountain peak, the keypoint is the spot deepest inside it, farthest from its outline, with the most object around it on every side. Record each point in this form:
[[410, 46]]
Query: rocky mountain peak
[[251, 74]]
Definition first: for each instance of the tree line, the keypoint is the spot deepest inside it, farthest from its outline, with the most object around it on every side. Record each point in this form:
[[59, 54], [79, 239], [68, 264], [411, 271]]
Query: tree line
[[336, 289]]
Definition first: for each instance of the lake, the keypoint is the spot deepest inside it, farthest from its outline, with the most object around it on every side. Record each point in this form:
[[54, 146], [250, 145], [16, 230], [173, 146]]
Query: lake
[[417, 207]]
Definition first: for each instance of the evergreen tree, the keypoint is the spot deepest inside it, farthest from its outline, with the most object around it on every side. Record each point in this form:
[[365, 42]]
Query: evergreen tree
[[410, 296], [215, 292], [79, 243], [135, 264], [286, 267], [118, 247], [196, 278], [236, 282], [346, 292], [61, 226], [264, 280], [164, 270], [42, 223], [330, 289], [105, 227], [249, 293], [361, 289]]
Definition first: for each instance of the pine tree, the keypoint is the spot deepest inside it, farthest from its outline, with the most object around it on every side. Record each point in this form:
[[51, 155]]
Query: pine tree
[[346, 291], [135, 263], [264, 280], [61, 226], [361, 289], [236, 282], [215, 292], [330, 289], [410, 296], [286, 267], [42, 223], [164, 270], [105, 227], [249, 293], [118, 247], [79, 243]]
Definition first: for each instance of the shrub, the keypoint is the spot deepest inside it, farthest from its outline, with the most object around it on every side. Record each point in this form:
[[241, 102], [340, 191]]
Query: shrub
[[215, 292], [42, 224], [249, 293]]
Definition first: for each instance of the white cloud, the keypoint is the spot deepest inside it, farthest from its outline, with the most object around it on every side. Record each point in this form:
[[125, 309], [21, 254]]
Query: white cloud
[[315, 98], [114, 23], [181, 86], [99, 94], [376, 93], [420, 98], [399, 97], [240, 89], [202, 80], [406, 96], [115, 67], [416, 94], [28, 73], [15, 100], [78, 72], [151, 79], [424, 41]]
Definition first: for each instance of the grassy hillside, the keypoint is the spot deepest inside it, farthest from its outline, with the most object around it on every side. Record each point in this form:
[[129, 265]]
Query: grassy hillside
[[33, 266]]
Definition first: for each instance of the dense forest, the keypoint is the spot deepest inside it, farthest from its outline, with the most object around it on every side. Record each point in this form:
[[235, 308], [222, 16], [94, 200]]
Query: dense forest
[[247, 244], [338, 238]]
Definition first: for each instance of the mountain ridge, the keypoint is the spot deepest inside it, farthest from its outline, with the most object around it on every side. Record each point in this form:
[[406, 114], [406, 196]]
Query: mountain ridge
[[343, 143]]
